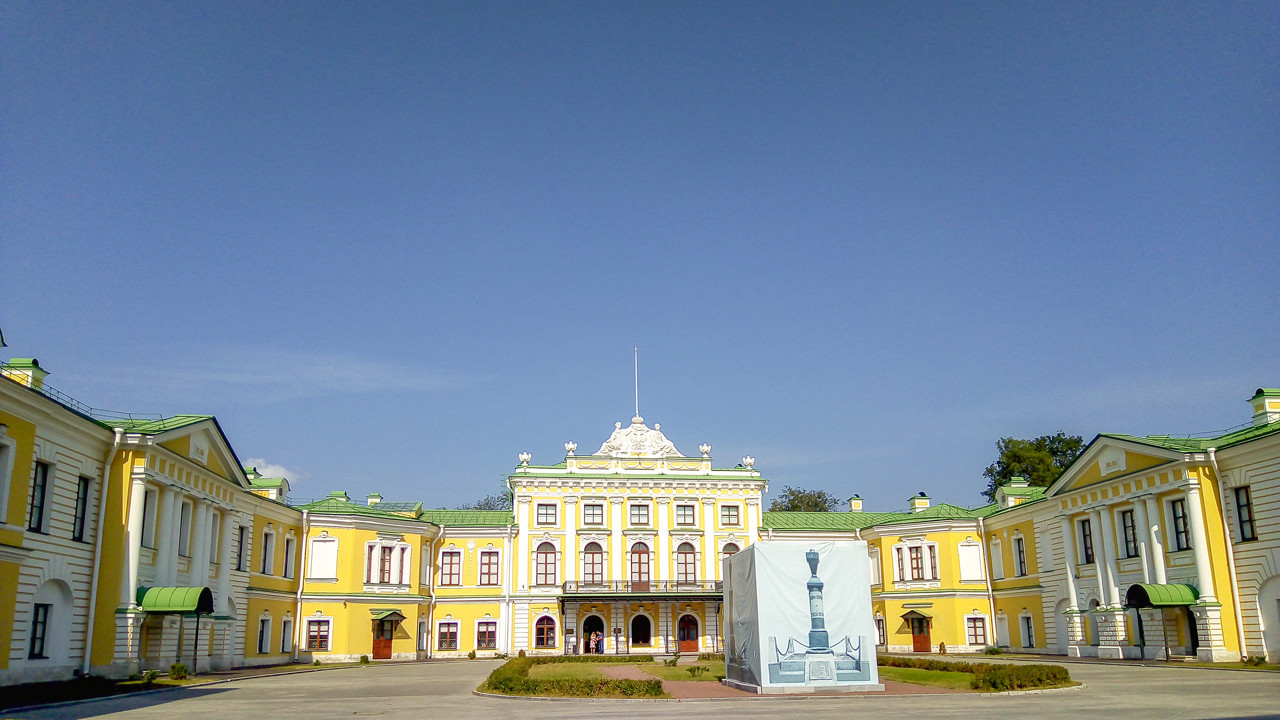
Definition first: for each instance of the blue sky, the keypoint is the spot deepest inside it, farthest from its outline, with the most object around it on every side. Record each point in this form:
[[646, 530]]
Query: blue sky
[[392, 245]]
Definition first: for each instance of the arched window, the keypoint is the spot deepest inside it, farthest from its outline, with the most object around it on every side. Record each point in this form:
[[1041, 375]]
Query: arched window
[[545, 564], [592, 564], [686, 564], [639, 563], [729, 549], [544, 632], [641, 631]]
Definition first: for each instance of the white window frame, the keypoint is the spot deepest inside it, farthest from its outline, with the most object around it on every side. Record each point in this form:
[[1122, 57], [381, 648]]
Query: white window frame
[[482, 621], [81, 516], [929, 561], [290, 549], [8, 448], [286, 633], [268, 564], [446, 576], [1020, 563], [215, 536], [737, 515], [1027, 621], [647, 511], [328, 635], [457, 634], [537, 514], [986, 629], [686, 509], [497, 555], [264, 633], [996, 552], [593, 523], [150, 505], [401, 556], [46, 501], [324, 539]]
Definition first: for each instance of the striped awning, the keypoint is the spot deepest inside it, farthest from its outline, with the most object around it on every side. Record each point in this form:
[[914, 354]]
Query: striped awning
[[1155, 596]]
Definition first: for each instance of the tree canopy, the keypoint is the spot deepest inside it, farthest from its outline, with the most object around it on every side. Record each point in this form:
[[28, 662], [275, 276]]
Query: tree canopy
[[799, 499], [496, 501], [1040, 460]]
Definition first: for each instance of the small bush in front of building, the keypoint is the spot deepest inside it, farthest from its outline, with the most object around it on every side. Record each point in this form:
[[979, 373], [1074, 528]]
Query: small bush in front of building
[[149, 676], [991, 650], [988, 676], [316, 663], [522, 653], [1256, 661], [364, 659], [512, 678], [672, 661], [471, 655], [177, 671], [711, 657]]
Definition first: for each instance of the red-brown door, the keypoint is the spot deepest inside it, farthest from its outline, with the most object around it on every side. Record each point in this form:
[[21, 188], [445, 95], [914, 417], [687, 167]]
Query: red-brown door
[[687, 634], [920, 635], [383, 631]]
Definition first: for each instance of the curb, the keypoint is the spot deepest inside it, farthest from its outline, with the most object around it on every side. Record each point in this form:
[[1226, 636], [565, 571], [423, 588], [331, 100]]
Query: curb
[[758, 698]]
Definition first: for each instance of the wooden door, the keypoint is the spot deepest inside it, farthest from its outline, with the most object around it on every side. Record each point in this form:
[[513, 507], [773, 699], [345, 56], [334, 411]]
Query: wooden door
[[687, 634], [383, 631], [920, 635]]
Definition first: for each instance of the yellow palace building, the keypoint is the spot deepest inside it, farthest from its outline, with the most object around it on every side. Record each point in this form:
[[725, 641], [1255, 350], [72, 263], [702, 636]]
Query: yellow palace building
[[133, 542]]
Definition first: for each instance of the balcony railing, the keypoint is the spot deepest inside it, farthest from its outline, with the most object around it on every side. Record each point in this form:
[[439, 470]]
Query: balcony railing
[[579, 587]]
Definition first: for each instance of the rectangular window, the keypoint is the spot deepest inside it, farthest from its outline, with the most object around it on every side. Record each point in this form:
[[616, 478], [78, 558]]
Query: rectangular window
[[268, 552], [384, 564], [1181, 532], [901, 574], [286, 636], [1020, 552], [318, 635], [82, 508], [545, 565], [487, 636], [264, 636], [39, 495], [728, 514], [242, 548], [546, 514], [489, 574], [184, 529], [1086, 542], [1130, 532], [39, 630], [1028, 631], [288, 557], [639, 514], [685, 515], [447, 638], [977, 630], [150, 498], [880, 632], [917, 562], [451, 568], [593, 566], [593, 514], [1244, 514], [933, 561]]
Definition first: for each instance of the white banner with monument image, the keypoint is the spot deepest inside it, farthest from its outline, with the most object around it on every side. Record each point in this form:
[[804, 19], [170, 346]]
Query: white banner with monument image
[[797, 618]]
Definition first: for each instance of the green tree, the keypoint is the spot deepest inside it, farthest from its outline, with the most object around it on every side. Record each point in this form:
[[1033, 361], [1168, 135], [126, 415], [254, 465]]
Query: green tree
[[1040, 460], [799, 499], [496, 501]]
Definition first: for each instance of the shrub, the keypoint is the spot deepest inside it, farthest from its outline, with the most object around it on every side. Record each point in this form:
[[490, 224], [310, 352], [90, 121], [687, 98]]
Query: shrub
[[177, 671], [522, 653], [149, 676], [1256, 660], [712, 657], [364, 659], [991, 650], [989, 676], [672, 661], [696, 670], [316, 663], [512, 678], [471, 655]]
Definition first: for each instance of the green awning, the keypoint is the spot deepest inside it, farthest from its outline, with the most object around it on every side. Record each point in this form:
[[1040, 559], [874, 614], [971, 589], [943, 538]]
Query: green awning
[[387, 615], [172, 600], [1154, 596], [916, 614]]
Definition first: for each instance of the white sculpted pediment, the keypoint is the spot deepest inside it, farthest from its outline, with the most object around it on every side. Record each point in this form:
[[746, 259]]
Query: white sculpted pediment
[[638, 441]]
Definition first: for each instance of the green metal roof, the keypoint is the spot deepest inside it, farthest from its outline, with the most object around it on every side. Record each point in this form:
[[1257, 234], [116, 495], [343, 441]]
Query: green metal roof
[[338, 506], [469, 518], [399, 507], [845, 521], [176, 600], [155, 427], [1145, 596], [1200, 444], [383, 614], [261, 482]]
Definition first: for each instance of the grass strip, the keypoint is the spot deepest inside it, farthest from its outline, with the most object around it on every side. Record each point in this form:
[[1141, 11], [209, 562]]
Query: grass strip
[[512, 678]]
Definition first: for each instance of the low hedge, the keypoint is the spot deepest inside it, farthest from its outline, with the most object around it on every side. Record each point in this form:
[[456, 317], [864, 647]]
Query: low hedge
[[512, 678], [991, 677]]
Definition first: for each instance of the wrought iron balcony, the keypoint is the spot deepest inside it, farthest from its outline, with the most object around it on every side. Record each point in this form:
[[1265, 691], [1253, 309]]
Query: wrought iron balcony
[[615, 587]]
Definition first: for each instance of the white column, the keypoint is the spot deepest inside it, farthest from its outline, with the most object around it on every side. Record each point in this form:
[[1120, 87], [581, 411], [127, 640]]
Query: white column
[[1140, 529], [175, 531], [200, 543], [522, 544], [618, 562], [753, 520], [225, 561], [571, 539], [1109, 540], [137, 508], [1157, 547], [166, 554], [1200, 544], [1069, 548], [662, 560], [709, 539], [1099, 556]]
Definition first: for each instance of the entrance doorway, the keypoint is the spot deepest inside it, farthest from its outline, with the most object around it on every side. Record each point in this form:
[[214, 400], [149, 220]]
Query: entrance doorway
[[590, 625], [383, 633], [920, 635], [687, 634]]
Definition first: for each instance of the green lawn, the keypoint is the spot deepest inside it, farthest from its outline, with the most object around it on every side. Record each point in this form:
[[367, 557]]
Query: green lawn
[[714, 671], [565, 671], [934, 678]]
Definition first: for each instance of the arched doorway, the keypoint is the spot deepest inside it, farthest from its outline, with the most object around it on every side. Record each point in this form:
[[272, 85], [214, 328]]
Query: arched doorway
[[641, 631], [687, 634], [591, 625], [1093, 623], [1269, 612], [1062, 626]]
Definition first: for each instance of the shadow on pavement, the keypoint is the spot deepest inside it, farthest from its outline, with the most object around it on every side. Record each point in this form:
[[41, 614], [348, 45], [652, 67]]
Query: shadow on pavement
[[116, 703]]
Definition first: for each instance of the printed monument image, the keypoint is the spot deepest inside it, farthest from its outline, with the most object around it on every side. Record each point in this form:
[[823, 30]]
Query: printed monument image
[[781, 616]]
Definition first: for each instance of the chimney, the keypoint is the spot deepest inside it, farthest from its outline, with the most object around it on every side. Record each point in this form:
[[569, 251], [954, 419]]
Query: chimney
[[919, 502], [1266, 406], [855, 503], [26, 371], [340, 495], [373, 499]]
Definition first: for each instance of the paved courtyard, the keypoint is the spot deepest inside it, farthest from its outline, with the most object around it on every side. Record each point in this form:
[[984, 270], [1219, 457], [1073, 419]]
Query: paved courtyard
[[443, 690]]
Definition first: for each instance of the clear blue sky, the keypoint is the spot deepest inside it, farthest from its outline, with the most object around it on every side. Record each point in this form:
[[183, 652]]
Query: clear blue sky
[[392, 245]]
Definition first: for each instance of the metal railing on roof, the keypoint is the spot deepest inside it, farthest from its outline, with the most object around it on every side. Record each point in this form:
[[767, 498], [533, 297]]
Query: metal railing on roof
[[65, 400]]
